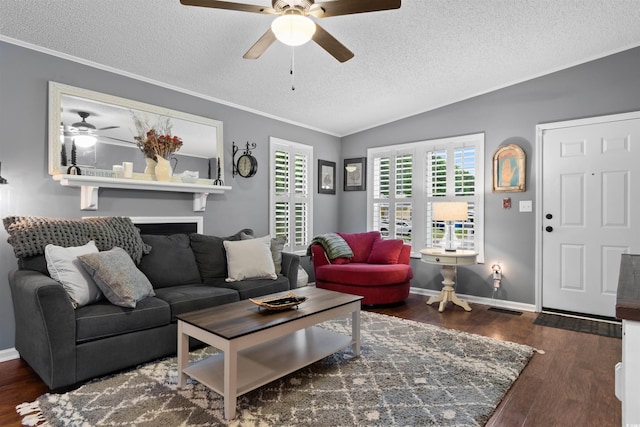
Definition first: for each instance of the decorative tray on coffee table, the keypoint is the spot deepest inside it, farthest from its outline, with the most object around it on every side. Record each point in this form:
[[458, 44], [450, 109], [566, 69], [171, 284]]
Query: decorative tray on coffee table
[[280, 302]]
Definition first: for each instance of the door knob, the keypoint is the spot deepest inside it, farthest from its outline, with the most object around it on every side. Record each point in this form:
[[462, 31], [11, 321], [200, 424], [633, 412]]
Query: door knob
[[548, 216], [549, 228]]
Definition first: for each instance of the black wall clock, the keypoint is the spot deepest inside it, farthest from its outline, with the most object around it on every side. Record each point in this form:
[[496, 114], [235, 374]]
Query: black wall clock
[[246, 166]]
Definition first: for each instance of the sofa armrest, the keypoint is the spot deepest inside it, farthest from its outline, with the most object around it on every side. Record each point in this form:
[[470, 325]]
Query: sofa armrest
[[405, 255], [318, 256], [45, 326], [290, 264]]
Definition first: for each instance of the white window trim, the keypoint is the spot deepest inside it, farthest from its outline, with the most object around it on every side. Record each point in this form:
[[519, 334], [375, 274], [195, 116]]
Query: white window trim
[[292, 147], [419, 201]]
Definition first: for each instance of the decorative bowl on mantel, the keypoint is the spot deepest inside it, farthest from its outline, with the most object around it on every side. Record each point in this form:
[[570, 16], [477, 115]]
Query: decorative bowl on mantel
[[189, 177]]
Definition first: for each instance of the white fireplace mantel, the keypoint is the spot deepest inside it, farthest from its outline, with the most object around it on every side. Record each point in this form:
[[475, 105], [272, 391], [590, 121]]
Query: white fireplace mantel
[[89, 186]]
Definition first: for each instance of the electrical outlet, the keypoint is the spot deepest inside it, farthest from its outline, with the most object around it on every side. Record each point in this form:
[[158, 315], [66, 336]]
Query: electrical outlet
[[526, 206]]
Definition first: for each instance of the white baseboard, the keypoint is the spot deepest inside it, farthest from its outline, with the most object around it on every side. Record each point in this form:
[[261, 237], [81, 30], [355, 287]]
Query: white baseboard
[[9, 354], [511, 305]]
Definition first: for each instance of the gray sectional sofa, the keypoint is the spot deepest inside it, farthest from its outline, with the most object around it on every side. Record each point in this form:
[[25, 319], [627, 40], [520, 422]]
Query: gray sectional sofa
[[67, 345]]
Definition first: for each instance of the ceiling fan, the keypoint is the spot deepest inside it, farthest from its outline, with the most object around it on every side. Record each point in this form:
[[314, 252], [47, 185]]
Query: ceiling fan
[[293, 25], [84, 133]]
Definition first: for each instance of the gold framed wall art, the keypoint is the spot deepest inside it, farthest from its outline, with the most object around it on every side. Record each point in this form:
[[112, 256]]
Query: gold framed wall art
[[509, 169]]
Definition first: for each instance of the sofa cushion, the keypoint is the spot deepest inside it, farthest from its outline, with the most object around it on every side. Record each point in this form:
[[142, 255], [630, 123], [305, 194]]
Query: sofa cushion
[[360, 244], [255, 287], [103, 319], [183, 299], [35, 263], [171, 261], [250, 259], [385, 251], [365, 274], [210, 254], [65, 267], [117, 277]]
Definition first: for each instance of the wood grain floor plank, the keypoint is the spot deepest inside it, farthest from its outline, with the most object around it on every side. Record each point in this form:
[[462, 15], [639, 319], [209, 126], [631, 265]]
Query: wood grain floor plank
[[572, 384]]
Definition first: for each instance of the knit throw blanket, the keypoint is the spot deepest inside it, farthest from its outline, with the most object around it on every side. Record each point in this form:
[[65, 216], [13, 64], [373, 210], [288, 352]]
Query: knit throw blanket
[[30, 234], [334, 245]]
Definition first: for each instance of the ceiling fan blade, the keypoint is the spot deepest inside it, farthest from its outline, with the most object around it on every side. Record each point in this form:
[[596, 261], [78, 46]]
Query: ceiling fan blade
[[121, 140], [242, 7], [109, 127], [348, 7], [261, 45], [331, 44]]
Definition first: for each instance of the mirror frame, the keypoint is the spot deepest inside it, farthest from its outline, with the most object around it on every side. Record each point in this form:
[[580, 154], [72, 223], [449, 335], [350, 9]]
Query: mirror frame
[[58, 90]]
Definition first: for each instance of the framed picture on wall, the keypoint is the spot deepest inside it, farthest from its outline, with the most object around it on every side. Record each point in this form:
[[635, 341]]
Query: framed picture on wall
[[509, 164], [326, 177], [355, 174]]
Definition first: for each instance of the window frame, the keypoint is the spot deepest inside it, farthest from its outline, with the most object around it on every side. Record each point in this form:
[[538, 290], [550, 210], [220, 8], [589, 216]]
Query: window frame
[[420, 218], [293, 148]]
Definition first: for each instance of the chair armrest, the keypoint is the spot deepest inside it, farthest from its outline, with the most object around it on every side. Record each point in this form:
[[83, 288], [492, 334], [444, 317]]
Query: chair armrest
[[290, 264], [45, 326], [318, 256], [405, 255]]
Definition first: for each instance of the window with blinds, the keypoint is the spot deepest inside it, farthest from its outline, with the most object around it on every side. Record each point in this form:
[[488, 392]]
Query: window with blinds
[[408, 178], [291, 193]]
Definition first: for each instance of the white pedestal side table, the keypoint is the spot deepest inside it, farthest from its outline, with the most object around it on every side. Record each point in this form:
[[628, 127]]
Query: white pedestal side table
[[449, 262]]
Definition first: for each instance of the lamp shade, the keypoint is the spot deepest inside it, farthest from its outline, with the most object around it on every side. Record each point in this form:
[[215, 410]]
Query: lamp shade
[[293, 29], [450, 211]]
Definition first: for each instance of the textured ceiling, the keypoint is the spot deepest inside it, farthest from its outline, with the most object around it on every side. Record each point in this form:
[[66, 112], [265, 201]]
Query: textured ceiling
[[427, 54]]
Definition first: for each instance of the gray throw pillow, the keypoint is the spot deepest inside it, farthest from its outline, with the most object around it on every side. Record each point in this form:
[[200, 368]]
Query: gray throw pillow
[[117, 277], [277, 245]]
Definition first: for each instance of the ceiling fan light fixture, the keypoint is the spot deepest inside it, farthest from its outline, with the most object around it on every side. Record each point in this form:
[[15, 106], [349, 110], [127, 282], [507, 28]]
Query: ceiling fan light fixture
[[85, 140], [293, 29]]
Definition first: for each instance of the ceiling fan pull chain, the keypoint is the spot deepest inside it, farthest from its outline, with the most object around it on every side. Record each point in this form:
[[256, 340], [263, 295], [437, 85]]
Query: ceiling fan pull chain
[[293, 53]]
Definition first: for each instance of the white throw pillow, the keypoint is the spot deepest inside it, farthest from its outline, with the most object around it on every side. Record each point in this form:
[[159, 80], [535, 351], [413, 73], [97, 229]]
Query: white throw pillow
[[65, 267], [249, 259]]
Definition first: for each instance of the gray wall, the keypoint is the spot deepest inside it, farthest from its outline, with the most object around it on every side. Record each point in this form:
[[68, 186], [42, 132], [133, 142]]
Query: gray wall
[[24, 76], [605, 86]]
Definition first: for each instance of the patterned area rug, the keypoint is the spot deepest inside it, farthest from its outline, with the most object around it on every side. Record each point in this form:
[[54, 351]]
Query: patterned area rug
[[409, 373]]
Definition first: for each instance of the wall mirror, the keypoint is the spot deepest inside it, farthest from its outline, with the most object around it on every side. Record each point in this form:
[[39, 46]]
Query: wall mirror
[[113, 119]]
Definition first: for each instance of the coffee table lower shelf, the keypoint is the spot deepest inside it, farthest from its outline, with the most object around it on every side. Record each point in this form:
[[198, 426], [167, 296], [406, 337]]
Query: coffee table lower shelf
[[257, 348], [271, 360]]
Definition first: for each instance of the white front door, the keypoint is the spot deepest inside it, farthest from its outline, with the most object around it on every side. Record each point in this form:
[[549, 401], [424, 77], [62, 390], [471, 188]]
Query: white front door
[[590, 210]]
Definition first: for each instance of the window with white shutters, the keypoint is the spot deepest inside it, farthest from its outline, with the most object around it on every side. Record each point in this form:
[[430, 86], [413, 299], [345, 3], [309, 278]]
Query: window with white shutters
[[392, 195], [291, 193], [408, 178]]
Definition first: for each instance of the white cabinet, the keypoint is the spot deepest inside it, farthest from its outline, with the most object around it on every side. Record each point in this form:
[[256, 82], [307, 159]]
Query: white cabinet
[[628, 309], [628, 373]]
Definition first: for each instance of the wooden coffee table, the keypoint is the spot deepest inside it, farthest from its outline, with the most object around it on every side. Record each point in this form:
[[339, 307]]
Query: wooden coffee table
[[258, 346]]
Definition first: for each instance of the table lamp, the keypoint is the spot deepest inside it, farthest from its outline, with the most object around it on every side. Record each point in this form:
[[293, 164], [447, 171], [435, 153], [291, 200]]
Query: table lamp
[[450, 212]]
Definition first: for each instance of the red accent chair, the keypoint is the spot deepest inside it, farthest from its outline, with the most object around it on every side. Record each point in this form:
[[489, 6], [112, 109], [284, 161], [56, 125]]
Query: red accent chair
[[379, 269]]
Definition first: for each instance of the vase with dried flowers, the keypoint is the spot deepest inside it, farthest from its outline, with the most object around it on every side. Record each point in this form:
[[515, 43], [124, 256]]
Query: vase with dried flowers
[[157, 144]]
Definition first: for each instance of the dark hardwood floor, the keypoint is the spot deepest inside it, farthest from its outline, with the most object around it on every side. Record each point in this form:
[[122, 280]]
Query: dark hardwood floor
[[572, 384]]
